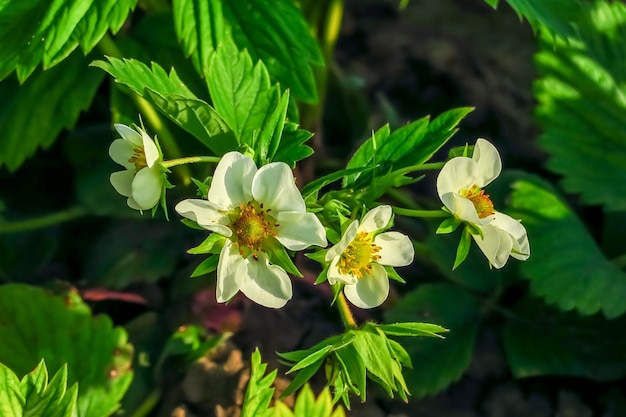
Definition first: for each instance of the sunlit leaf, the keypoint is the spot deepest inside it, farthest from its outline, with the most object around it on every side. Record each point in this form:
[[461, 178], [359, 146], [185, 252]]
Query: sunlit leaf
[[260, 390], [35, 325], [40, 31], [566, 267]]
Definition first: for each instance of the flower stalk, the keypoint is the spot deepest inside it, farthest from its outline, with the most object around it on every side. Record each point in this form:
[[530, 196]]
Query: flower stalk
[[190, 160], [41, 222], [420, 213]]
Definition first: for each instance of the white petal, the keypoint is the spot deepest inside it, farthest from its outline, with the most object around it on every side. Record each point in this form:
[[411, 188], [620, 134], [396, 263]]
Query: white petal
[[150, 149], [206, 215], [376, 219], [298, 231], [129, 134], [122, 181], [369, 291], [132, 204], [495, 244], [147, 187], [457, 174], [521, 247], [121, 151], [232, 181], [463, 209], [265, 284], [488, 160], [335, 276], [230, 268], [274, 186], [396, 249], [346, 239]]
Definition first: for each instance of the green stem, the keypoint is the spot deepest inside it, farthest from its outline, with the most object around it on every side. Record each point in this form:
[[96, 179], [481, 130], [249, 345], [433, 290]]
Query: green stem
[[148, 404], [108, 46], [43, 221], [190, 160], [345, 313], [420, 213]]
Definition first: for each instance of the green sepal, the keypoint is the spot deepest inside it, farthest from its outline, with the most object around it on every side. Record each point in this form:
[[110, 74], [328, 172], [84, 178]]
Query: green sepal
[[318, 256], [449, 225], [207, 266], [463, 249], [392, 274], [192, 224], [203, 187], [212, 244], [278, 256], [475, 230], [332, 236], [323, 276]]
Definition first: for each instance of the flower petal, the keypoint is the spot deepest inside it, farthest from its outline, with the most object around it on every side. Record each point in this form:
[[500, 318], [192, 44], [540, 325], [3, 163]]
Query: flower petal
[[274, 186], [521, 247], [371, 290], [463, 209], [376, 219], [147, 187], [206, 215], [298, 231], [495, 244], [150, 149], [346, 239], [232, 181], [488, 160], [457, 174], [265, 284], [230, 268], [121, 151], [129, 134], [335, 276], [396, 249], [122, 181]]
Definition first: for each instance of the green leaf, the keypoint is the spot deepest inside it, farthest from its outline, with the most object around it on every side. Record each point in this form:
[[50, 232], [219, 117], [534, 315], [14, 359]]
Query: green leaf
[[39, 31], [173, 99], [260, 391], [566, 267], [354, 369], [412, 329], [11, 397], [279, 256], [292, 148], [272, 31], [61, 330], [242, 94], [133, 252], [317, 184], [56, 97], [43, 399], [374, 352], [582, 109], [410, 145], [437, 363], [548, 342], [555, 15], [463, 249]]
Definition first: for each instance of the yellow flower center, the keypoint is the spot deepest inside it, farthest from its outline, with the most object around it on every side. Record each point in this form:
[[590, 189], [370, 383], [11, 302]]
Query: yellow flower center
[[138, 158], [357, 258], [251, 226], [481, 201]]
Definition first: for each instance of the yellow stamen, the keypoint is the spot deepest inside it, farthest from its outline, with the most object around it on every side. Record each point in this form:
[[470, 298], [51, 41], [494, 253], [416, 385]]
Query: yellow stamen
[[481, 201], [251, 227], [357, 258], [138, 158]]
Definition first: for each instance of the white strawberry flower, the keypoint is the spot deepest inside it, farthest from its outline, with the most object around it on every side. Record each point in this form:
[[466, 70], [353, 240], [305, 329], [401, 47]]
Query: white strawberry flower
[[255, 209], [144, 178], [460, 186], [358, 259]]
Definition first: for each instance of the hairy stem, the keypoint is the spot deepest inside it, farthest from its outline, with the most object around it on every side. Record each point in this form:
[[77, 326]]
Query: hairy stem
[[344, 312], [190, 160], [420, 213]]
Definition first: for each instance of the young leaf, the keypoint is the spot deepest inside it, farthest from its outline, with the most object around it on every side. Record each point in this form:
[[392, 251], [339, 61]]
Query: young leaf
[[61, 330], [307, 406], [437, 363], [412, 329], [45, 399], [39, 31], [11, 397], [570, 272], [463, 249], [412, 144], [170, 95], [56, 97], [260, 391], [243, 95]]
